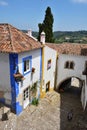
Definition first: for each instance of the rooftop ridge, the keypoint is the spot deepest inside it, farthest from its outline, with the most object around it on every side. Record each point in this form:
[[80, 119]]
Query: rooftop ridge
[[14, 40], [11, 41], [69, 48]]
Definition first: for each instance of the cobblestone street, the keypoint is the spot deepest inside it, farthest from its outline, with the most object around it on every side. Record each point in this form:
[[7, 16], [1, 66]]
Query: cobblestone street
[[50, 114]]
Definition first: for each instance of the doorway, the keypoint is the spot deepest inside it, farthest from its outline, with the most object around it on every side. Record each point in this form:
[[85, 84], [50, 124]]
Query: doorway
[[26, 97], [70, 84], [48, 86]]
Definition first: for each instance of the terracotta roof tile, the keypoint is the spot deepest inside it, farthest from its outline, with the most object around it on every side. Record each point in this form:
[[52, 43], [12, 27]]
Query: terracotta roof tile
[[69, 48], [13, 40]]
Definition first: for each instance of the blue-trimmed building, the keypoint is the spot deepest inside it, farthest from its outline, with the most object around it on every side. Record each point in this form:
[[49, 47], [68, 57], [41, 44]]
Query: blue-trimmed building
[[20, 67]]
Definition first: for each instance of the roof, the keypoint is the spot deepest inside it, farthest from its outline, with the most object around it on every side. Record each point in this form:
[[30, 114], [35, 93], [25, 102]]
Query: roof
[[13, 40], [69, 48]]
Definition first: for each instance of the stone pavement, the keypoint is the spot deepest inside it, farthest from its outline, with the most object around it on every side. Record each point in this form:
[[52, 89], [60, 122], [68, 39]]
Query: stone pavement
[[50, 114]]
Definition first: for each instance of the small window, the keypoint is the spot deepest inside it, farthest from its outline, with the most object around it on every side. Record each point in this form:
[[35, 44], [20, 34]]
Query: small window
[[26, 94], [27, 65], [86, 65], [85, 68], [69, 65], [49, 64]]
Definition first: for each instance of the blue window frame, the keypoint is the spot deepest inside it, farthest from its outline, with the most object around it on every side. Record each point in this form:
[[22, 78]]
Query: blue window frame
[[27, 65]]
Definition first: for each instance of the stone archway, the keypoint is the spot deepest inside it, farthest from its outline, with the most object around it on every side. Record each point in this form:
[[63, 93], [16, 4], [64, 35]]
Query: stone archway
[[70, 82], [70, 85]]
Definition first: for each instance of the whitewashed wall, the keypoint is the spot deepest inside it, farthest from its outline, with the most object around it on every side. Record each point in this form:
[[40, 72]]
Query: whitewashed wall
[[63, 73], [35, 63], [5, 76], [49, 75]]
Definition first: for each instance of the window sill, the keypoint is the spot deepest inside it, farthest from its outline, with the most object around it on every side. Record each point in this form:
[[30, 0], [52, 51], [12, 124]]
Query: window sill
[[27, 72]]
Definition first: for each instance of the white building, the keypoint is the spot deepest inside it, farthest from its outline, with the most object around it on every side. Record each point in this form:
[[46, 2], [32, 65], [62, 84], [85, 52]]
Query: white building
[[48, 71], [20, 67], [72, 67], [48, 67], [24, 62]]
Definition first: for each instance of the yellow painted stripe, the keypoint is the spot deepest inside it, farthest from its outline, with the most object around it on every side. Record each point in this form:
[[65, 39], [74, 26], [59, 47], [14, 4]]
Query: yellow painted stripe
[[43, 49]]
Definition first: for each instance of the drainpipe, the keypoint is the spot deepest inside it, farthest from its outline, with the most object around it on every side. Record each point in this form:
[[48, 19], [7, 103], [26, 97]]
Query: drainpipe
[[42, 40], [56, 73]]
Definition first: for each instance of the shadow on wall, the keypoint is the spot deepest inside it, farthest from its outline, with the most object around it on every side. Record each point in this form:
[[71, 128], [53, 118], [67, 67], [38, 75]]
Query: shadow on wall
[[72, 116], [84, 51]]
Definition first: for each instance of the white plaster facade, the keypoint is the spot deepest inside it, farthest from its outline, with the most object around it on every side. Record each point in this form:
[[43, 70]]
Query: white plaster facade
[[79, 66], [49, 74], [20, 67], [35, 63], [65, 73], [30, 78]]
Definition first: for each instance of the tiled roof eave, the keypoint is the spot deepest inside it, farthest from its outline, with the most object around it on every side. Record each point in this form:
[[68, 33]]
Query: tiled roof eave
[[17, 52], [69, 48], [13, 40]]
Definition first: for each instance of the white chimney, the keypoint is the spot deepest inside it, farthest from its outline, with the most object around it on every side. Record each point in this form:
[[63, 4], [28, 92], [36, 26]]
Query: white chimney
[[29, 33], [42, 38]]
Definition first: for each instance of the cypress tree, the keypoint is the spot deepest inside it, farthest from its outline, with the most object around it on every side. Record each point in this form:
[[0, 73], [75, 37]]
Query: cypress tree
[[47, 26]]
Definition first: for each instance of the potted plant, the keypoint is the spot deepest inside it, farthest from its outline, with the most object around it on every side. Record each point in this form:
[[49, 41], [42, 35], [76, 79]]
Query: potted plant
[[33, 69]]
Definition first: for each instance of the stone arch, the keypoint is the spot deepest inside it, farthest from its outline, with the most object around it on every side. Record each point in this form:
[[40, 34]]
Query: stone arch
[[66, 83]]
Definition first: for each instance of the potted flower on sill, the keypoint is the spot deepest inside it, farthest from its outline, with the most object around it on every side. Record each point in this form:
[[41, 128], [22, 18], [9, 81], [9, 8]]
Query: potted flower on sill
[[33, 69]]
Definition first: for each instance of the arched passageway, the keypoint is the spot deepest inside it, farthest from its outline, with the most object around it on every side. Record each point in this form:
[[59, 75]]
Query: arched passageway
[[70, 101], [71, 84]]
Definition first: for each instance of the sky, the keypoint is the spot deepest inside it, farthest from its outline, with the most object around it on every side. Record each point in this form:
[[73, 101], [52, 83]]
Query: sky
[[69, 15]]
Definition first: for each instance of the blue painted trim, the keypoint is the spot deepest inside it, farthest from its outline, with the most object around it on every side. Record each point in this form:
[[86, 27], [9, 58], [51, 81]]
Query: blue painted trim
[[24, 59], [19, 108], [40, 63], [13, 60], [17, 88]]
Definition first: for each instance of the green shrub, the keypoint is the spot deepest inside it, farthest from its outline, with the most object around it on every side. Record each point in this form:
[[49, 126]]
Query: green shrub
[[35, 101]]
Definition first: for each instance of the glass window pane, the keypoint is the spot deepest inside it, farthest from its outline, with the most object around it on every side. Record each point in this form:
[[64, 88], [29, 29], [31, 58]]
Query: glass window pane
[[27, 65], [24, 66]]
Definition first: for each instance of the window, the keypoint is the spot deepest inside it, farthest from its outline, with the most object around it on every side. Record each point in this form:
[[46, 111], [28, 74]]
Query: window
[[85, 69], [86, 65], [69, 65], [26, 93], [49, 64], [27, 64]]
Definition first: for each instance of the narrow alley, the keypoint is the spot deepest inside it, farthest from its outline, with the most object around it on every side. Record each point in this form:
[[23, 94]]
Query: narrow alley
[[50, 114]]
